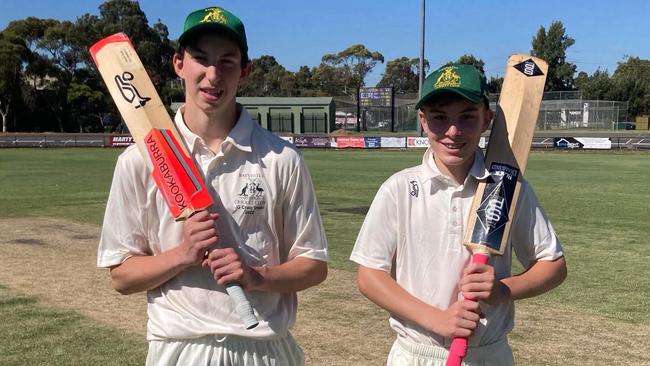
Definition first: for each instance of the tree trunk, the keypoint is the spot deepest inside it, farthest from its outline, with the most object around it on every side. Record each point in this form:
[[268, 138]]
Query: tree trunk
[[4, 116]]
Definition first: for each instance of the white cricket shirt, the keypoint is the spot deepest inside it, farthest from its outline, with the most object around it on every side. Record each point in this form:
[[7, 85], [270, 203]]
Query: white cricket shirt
[[268, 211], [420, 216]]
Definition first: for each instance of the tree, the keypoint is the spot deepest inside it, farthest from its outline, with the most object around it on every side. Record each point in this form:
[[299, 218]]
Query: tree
[[268, 79], [551, 46], [471, 60], [403, 75], [84, 104], [330, 80], [494, 85], [10, 82], [598, 86], [353, 63], [631, 82], [304, 83], [152, 43]]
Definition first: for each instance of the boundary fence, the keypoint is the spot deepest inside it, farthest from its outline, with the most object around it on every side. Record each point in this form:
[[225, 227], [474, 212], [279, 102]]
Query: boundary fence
[[48, 140]]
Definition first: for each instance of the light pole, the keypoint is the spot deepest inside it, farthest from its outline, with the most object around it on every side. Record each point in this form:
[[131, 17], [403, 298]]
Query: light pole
[[421, 69]]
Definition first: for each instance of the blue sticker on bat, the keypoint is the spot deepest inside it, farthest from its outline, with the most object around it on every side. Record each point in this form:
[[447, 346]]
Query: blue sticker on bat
[[493, 213]]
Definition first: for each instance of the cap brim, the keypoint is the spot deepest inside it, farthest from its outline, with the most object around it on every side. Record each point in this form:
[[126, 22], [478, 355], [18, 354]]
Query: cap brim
[[472, 97]]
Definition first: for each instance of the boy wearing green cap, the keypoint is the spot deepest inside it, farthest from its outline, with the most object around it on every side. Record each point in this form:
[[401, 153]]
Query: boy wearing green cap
[[411, 258], [264, 231]]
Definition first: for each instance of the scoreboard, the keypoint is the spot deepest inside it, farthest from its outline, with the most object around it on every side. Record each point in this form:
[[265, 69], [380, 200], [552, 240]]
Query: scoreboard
[[376, 97]]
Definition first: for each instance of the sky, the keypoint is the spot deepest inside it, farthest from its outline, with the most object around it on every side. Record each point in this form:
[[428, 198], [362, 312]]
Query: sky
[[299, 33]]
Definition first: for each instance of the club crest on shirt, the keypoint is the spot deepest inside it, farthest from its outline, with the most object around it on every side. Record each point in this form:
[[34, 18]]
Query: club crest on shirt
[[251, 194]]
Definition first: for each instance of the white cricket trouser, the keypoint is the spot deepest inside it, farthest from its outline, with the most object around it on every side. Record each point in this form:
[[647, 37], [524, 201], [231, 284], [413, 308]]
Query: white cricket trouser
[[407, 353], [226, 351]]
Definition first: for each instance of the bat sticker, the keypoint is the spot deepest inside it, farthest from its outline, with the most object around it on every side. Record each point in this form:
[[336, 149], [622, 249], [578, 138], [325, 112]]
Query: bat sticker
[[129, 92], [529, 68], [492, 215]]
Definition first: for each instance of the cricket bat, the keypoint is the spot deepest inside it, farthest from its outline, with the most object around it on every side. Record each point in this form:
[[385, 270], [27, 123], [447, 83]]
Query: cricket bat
[[495, 200], [158, 140]]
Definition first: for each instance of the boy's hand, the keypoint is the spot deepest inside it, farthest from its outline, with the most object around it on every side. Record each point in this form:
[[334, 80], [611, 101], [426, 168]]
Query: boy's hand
[[479, 282], [199, 234], [459, 320], [227, 267]]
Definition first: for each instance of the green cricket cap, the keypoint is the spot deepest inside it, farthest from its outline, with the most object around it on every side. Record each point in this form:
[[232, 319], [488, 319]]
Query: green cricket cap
[[464, 80], [216, 18]]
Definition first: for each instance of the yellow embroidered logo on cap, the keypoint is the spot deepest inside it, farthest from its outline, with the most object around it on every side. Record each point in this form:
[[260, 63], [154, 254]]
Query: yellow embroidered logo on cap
[[448, 78], [214, 15]]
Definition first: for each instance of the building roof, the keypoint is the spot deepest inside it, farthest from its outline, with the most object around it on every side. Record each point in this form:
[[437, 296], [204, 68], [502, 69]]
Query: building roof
[[250, 101]]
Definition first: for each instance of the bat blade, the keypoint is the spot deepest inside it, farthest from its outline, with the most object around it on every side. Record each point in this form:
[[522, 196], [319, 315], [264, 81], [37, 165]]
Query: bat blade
[[512, 132], [150, 125], [158, 140], [496, 197]]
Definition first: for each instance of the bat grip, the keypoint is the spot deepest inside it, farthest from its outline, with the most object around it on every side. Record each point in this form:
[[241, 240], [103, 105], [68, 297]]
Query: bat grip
[[242, 305], [458, 348]]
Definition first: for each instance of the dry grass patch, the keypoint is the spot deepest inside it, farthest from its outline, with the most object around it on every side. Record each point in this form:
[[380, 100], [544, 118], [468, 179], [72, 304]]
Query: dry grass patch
[[54, 260]]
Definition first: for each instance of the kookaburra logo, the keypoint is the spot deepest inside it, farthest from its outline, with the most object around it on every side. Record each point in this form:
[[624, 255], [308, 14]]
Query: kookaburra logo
[[128, 91], [414, 188]]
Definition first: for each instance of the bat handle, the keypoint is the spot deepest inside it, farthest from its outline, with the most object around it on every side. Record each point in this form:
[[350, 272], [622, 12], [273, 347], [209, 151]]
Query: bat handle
[[458, 348], [242, 305]]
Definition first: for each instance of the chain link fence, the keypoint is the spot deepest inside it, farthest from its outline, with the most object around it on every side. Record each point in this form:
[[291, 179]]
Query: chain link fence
[[559, 110]]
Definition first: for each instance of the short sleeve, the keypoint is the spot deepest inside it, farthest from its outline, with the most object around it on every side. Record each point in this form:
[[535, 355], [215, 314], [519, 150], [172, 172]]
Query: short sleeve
[[303, 229], [123, 231], [533, 237], [377, 240]]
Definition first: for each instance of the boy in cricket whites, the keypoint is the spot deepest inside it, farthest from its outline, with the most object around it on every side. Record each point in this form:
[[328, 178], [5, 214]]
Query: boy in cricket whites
[[415, 229], [264, 230]]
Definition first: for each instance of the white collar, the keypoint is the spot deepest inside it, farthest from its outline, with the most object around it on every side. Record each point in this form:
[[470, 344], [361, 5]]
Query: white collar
[[239, 136]]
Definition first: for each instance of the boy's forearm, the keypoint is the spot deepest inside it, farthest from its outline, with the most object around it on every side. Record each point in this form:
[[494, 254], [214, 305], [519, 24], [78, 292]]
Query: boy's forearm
[[383, 290], [292, 276], [142, 273], [541, 277]]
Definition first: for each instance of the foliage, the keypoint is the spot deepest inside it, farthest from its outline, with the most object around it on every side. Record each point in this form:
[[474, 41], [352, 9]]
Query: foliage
[[630, 82], [47, 78], [268, 79], [551, 46], [403, 75], [471, 60], [351, 66]]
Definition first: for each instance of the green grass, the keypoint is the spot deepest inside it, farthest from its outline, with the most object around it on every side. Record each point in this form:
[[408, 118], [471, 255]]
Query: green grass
[[598, 203], [599, 206], [32, 334], [65, 183]]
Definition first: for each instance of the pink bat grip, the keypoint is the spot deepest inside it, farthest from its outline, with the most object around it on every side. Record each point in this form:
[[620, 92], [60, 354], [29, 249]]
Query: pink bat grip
[[458, 349]]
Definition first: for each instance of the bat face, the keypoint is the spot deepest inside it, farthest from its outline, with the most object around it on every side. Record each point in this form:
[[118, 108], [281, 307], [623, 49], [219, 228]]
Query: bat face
[[152, 129], [507, 154]]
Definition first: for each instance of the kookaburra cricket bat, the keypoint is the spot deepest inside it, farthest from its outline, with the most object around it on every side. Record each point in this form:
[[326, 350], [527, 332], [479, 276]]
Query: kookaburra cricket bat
[[158, 140], [495, 199]]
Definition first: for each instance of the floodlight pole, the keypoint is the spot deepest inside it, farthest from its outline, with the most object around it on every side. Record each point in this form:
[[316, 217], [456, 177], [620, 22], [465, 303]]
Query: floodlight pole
[[421, 69]]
